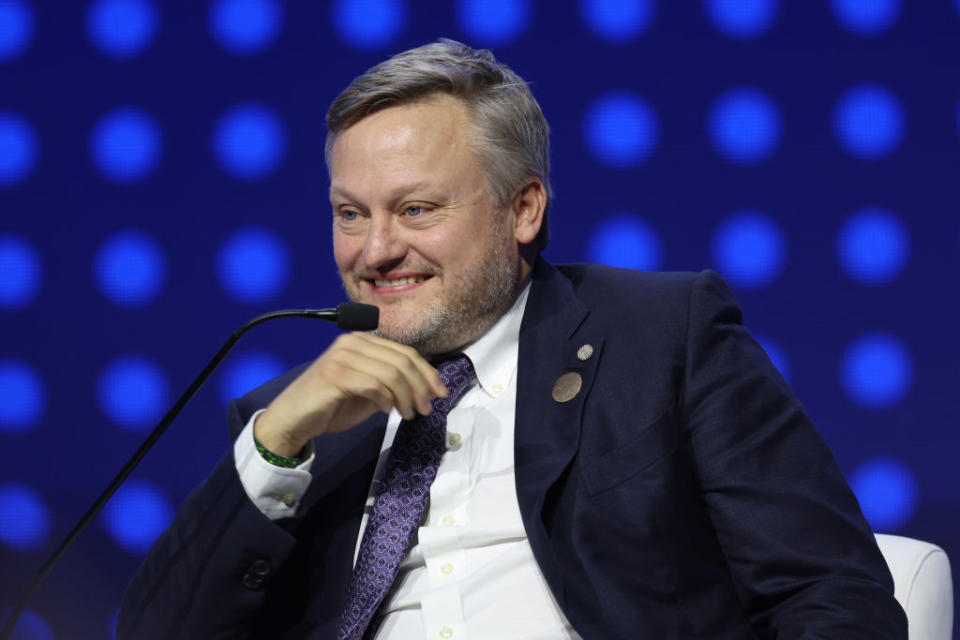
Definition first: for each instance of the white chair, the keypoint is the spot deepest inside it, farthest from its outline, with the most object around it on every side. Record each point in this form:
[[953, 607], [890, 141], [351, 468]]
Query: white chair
[[921, 584]]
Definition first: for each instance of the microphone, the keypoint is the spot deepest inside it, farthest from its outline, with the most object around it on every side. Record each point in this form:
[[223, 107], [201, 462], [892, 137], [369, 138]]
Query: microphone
[[349, 316]]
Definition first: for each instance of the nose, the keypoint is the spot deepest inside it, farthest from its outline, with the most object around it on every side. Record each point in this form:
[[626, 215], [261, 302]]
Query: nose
[[384, 245]]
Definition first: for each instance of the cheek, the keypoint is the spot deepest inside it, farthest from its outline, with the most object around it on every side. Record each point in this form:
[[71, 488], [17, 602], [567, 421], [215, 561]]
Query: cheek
[[345, 251], [448, 252], [462, 243]]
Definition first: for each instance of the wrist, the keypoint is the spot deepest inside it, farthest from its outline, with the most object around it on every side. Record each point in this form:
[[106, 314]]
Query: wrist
[[285, 462], [275, 441]]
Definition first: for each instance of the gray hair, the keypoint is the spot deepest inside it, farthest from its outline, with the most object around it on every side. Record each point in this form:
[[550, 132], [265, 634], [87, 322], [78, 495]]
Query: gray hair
[[511, 136]]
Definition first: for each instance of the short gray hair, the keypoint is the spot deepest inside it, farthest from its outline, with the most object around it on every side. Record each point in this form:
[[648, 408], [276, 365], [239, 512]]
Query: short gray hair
[[511, 136]]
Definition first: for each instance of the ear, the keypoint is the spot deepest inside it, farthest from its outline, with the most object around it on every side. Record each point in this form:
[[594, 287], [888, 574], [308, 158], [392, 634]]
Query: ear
[[527, 208]]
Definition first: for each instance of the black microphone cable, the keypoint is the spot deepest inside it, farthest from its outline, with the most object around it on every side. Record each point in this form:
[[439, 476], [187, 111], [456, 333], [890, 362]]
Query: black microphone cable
[[349, 316]]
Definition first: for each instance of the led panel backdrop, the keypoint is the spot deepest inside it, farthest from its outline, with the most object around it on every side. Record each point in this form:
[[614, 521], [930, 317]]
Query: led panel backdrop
[[162, 180]]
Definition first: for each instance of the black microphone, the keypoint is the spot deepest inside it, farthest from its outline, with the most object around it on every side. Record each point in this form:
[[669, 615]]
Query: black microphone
[[349, 316]]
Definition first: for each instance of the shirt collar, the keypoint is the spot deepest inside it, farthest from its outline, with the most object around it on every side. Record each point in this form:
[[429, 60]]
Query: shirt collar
[[494, 353]]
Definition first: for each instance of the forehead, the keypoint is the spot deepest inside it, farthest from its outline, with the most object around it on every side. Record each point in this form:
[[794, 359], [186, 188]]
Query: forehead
[[427, 138]]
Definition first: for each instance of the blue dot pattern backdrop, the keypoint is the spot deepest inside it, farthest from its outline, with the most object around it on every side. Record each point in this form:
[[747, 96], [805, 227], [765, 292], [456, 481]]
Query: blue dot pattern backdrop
[[162, 180]]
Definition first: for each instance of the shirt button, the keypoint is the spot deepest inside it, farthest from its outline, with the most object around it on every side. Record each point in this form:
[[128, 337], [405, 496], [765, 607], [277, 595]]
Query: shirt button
[[289, 498], [454, 439], [448, 521], [497, 389], [446, 569], [446, 633]]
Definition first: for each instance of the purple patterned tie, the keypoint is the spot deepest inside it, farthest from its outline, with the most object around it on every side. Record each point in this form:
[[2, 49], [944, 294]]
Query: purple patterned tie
[[400, 502]]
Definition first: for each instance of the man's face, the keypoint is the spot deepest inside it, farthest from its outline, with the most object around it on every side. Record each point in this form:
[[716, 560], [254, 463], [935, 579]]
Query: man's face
[[415, 232]]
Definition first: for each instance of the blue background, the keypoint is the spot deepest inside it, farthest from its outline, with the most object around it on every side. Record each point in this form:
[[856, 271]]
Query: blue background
[[162, 181]]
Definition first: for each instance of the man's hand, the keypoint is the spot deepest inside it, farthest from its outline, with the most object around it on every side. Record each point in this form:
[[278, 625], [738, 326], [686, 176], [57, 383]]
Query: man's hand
[[358, 375]]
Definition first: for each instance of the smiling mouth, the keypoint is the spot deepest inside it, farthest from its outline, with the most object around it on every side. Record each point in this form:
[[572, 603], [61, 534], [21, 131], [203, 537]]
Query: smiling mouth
[[398, 282]]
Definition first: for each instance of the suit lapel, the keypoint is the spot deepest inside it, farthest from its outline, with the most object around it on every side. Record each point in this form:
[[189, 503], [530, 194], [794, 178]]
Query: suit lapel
[[548, 430]]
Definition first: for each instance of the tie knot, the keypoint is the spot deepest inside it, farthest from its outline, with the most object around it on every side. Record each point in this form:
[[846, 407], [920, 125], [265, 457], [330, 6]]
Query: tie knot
[[457, 374]]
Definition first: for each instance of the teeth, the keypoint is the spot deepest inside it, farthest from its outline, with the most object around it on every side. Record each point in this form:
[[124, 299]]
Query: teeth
[[399, 281]]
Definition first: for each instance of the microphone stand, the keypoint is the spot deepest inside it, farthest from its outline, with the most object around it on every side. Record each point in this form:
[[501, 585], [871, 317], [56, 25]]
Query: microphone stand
[[350, 316]]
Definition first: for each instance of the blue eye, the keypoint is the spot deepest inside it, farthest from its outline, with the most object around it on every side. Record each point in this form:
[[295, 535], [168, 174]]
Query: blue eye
[[414, 210], [349, 216]]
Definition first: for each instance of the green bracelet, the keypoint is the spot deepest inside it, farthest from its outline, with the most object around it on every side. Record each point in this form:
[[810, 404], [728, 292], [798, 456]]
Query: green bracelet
[[272, 458]]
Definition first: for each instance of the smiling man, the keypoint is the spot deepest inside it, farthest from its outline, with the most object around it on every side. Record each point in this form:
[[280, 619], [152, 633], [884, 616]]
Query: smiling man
[[415, 230], [519, 450]]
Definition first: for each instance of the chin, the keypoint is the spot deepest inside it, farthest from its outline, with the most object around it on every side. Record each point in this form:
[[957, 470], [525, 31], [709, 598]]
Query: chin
[[430, 335], [419, 337]]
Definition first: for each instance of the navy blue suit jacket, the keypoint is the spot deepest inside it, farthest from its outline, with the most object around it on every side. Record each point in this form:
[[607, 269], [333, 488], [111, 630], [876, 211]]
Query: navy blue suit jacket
[[682, 493]]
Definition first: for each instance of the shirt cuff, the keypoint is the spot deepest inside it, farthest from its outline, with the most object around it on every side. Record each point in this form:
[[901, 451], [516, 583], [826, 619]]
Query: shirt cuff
[[276, 491]]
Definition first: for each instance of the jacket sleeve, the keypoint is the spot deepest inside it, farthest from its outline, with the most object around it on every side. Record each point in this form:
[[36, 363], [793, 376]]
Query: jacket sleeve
[[803, 558], [207, 574]]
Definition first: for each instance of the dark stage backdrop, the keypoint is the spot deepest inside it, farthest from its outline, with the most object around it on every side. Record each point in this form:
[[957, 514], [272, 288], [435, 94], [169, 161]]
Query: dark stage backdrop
[[162, 180]]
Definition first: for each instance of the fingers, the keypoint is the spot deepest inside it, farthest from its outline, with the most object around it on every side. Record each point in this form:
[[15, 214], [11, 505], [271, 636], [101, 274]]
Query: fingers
[[378, 377], [356, 376], [373, 367], [356, 384], [427, 370]]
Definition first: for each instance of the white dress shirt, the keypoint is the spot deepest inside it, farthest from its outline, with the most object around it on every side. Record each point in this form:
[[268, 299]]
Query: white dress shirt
[[470, 571]]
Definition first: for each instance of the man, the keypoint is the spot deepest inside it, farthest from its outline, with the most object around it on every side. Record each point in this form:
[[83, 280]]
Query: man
[[606, 453]]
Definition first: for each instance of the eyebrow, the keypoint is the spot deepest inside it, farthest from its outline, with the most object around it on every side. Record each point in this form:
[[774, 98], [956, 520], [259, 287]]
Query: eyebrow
[[397, 195], [340, 191]]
